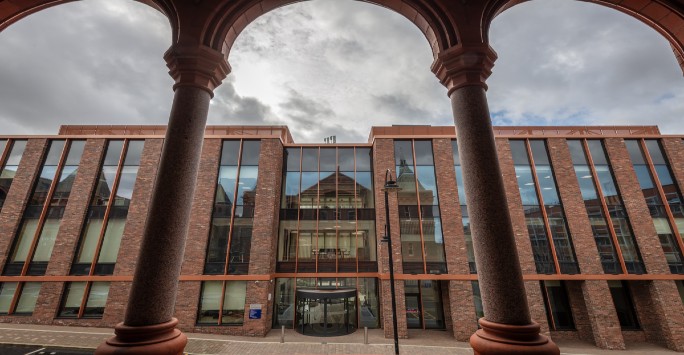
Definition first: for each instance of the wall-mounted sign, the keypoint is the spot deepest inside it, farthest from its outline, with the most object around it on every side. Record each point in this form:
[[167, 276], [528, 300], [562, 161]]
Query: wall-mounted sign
[[255, 311]]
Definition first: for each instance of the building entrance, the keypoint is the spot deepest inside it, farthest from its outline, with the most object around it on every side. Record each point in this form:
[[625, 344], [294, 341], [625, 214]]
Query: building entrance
[[322, 312]]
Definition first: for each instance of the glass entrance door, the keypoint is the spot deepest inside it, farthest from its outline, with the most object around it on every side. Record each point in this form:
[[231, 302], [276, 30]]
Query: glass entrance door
[[326, 312]]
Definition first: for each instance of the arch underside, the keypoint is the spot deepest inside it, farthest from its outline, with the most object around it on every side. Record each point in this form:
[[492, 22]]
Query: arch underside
[[445, 23]]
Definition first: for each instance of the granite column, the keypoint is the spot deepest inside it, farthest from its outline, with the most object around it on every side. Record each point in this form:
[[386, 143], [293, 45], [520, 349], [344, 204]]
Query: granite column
[[149, 325], [507, 327]]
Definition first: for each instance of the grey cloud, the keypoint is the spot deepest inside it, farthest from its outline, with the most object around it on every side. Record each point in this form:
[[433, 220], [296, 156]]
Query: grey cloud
[[228, 107]]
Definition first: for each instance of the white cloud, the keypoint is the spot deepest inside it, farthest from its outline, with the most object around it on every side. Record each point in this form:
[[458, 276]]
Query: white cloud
[[337, 67]]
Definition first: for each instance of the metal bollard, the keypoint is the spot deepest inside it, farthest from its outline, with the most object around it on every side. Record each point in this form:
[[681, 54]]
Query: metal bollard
[[282, 333], [365, 335]]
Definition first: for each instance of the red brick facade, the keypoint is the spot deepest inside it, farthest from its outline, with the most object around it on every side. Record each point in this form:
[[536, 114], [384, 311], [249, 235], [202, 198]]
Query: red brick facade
[[657, 303]]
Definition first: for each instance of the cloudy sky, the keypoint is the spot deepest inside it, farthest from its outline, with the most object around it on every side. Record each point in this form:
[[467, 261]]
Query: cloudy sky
[[331, 67]]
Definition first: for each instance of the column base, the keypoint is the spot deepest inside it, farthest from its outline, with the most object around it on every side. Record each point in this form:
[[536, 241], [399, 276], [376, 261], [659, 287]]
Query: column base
[[155, 339], [496, 338]]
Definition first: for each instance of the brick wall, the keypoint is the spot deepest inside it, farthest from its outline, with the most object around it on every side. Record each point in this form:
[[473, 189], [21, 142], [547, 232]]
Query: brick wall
[[674, 150], [660, 312], [70, 229], [19, 193], [462, 309]]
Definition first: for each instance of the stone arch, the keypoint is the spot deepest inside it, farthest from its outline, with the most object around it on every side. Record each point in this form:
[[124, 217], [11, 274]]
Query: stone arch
[[664, 16], [232, 17], [12, 11]]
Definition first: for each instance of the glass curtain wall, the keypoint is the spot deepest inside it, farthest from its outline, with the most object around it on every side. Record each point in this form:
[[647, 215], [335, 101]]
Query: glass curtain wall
[[543, 209], [10, 155], [557, 304], [657, 184], [424, 304], [368, 306], [465, 217], [422, 242], [35, 240], [230, 238], [327, 216], [612, 232], [100, 241]]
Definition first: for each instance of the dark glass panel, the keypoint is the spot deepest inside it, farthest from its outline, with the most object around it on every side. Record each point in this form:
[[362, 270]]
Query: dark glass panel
[[433, 313], [113, 153], [624, 307], [434, 245], [607, 182], [63, 189], [560, 314], [14, 157], [369, 303], [598, 154], [364, 190], [403, 153], [250, 152], [577, 152], [124, 192], [71, 301], [346, 196], [519, 152], [327, 190], [310, 159], [459, 185], [414, 312], [134, 152], [477, 300], [528, 193], [635, 152], [227, 181], [54, 152], [345, 159], [42, 186], [292, 159], [284, 303], [539, 153], [240, 244], [309, 190], [230, 153], [246, 192], [656, 152], [328, 159], [547, 185], [586, 183], [75, 152], [217, 246], [364, 159], [427, 185], [291, 190], [454, 149], [423, 152]]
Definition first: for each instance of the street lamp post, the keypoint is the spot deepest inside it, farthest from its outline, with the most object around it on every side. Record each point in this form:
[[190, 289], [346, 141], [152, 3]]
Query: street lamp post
[[391, 185]]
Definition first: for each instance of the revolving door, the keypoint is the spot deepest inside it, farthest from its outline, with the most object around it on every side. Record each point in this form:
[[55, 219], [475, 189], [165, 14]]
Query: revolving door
[[326, 312]]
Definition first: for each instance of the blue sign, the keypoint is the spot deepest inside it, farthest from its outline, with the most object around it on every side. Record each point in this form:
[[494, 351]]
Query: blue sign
[[254, 314]]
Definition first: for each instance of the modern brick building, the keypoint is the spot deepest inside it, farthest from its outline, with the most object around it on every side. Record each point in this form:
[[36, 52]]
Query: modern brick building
[[290, 234]]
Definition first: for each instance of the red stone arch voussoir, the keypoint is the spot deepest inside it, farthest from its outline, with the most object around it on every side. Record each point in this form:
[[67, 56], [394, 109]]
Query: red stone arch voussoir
[[430, 16], [12, 11], [664, 16]]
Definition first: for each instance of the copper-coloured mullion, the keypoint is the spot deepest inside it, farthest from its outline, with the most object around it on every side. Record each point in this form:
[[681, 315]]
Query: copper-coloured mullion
[[604, 206], [232, 210], [318, 205], [338, 223], [41, 222], [4, 154], [542, 207], [356, 219], [661, 193], [105, 221], [221, 302], [420, 213]]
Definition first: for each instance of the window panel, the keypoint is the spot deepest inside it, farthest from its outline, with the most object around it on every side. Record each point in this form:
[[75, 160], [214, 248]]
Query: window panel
[[7, 290], [624, 306], [97, 299], [28, 298], [560, 313], [71, 304], [250, 153]]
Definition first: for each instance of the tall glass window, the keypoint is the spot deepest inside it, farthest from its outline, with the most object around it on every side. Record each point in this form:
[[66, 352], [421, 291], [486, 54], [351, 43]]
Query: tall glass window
[[465, 217], [327, 217], [230, 237], [657, 185], [422, 242], [424, 304], [99, 244], [612, 231], [557, 304], [543, 210], [222, 303], [10, 155], [32, 247], [622, 299]]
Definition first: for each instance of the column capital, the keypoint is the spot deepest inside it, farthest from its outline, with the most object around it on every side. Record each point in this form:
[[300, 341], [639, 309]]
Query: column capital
[[464, 65], [197, 65]]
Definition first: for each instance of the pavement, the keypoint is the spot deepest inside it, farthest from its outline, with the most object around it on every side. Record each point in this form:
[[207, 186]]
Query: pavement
[[61, 340]]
